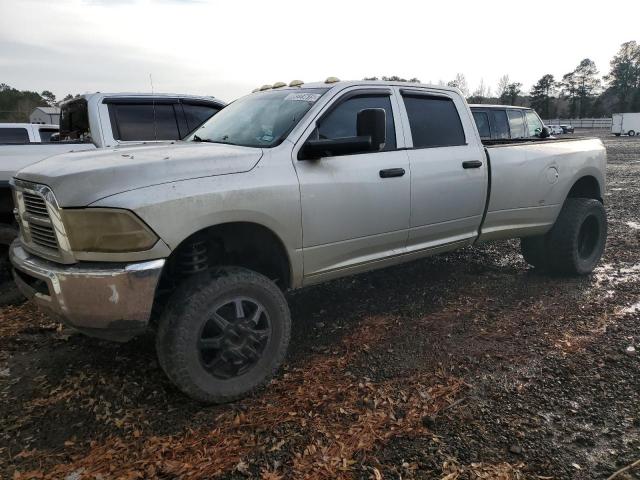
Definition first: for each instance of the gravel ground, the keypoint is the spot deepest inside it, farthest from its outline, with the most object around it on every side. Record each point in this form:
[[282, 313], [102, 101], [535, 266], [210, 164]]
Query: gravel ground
[[465, 365]]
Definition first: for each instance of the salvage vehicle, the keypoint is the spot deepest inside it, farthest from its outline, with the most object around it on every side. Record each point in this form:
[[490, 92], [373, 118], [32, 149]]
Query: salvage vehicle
[[22, 133], [500, 122], [90, 122], [287, 187]]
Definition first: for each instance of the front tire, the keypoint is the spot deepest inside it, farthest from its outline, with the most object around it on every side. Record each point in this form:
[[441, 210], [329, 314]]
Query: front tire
[[632, 133], [576, 241], [224, 334]]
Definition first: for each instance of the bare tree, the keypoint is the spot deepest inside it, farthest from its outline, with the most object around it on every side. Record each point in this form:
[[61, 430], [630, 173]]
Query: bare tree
[[460, 82], [503, 83]]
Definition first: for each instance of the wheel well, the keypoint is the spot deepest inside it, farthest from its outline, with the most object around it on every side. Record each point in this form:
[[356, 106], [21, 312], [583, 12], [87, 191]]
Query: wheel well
[[586, 187], [241, 244]]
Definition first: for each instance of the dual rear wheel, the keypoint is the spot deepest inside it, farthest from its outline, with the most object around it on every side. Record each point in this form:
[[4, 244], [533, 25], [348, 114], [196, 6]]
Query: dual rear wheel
[[575, 243]]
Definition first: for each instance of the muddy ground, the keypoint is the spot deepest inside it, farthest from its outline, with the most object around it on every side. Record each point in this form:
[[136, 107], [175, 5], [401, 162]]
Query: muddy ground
[[465, 365]]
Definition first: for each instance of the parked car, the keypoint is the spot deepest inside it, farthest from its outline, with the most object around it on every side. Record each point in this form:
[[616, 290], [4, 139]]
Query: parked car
[[503, 122], [625, 124], [284, 188], [555, 129], [22, 133], [567, 128], [90, 122]]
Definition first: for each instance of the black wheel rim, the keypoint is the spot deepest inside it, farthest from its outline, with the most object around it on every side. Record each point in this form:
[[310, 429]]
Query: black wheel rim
[[234, 338], [588, 237]]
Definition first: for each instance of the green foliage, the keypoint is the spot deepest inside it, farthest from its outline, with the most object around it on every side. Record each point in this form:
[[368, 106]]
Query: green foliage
[[15, 105], [510, 94], [624, 77], [541, 95]]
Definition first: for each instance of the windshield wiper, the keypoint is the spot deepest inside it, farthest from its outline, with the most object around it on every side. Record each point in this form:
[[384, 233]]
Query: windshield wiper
[[196, 138]]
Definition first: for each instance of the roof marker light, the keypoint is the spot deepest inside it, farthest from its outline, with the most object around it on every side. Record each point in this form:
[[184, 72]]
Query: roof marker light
[[279, 85], [265, 87], [296, 83], [332, 80]]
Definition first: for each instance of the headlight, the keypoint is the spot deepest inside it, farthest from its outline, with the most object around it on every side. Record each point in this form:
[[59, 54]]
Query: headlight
[[106, 230]]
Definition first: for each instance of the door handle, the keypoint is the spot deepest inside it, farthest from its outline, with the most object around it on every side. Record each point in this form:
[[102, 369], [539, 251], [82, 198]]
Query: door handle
[[472, 164], [391, 172]]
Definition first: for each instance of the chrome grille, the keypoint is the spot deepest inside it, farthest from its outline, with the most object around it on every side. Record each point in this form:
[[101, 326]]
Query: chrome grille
[[41, 229], [43, 235], [34, 204]]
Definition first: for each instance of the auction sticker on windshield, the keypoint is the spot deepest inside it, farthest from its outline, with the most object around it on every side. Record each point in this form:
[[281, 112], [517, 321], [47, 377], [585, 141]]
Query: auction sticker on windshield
[[303, 97]]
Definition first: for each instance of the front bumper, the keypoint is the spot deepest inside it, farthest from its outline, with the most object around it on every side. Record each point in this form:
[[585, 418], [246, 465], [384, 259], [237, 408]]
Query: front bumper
[[106, 300]]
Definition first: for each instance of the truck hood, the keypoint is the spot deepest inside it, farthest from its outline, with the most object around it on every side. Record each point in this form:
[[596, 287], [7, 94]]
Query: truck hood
[[81, 178]]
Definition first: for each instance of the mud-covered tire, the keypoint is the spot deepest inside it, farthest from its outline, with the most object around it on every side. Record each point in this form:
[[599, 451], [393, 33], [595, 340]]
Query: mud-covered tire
[[9, 293], [617, 134], [191, 320], [575, 243]]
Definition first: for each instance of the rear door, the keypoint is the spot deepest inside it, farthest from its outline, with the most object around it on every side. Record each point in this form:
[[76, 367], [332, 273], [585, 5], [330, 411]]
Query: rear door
[[448, 169]]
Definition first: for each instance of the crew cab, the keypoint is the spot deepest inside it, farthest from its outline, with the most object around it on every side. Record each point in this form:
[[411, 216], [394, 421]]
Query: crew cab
[[90, 122], [22, 133], [502, 122], [287, 187]]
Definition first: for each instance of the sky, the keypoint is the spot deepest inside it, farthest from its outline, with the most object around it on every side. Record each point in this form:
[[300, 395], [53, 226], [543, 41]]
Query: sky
[[226, 48]]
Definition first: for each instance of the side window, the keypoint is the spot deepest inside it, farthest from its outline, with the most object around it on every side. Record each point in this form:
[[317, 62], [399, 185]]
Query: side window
[[45, 134], [500, 125], [516, 123], [196, 115], [14, 135], [434, 121], [144, 122], [482, 122], [534, 124], [341, 121]]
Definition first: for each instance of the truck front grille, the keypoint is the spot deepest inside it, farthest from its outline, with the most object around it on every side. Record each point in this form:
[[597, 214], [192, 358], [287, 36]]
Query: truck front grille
[[41, 228], [34, 204]]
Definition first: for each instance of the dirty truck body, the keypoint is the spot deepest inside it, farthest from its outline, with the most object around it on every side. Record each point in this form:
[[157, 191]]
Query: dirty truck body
[[286, 188]]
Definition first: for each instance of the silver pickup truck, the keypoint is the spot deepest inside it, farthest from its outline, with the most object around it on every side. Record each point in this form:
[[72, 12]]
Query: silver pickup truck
[[287, 187]]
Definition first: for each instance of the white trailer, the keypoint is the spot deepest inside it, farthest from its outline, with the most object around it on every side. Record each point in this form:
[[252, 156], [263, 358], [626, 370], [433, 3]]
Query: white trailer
[[625, 124]]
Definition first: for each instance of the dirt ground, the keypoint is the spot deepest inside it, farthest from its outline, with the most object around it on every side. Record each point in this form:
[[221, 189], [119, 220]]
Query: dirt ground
[[461, 366]]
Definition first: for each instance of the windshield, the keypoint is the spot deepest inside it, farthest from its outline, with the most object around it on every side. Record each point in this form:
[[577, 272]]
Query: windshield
[[258, 120]]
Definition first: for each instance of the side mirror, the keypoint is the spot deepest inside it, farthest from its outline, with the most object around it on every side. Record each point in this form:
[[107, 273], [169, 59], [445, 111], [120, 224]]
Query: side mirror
[[544, 133], [370, 136], [372, 122]]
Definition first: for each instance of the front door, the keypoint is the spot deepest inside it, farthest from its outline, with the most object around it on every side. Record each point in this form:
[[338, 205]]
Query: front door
[[355, 208]]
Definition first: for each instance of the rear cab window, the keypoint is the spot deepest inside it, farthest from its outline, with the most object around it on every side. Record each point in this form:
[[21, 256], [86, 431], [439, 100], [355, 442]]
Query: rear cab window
[[499, 125], [482, 122], [516, 123], [45, 134], [434, 121], [143, 121], [14, 136]]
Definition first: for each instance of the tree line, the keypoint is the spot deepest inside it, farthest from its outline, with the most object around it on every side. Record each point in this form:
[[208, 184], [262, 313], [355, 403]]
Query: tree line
[[16, 105], [580, 93]]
